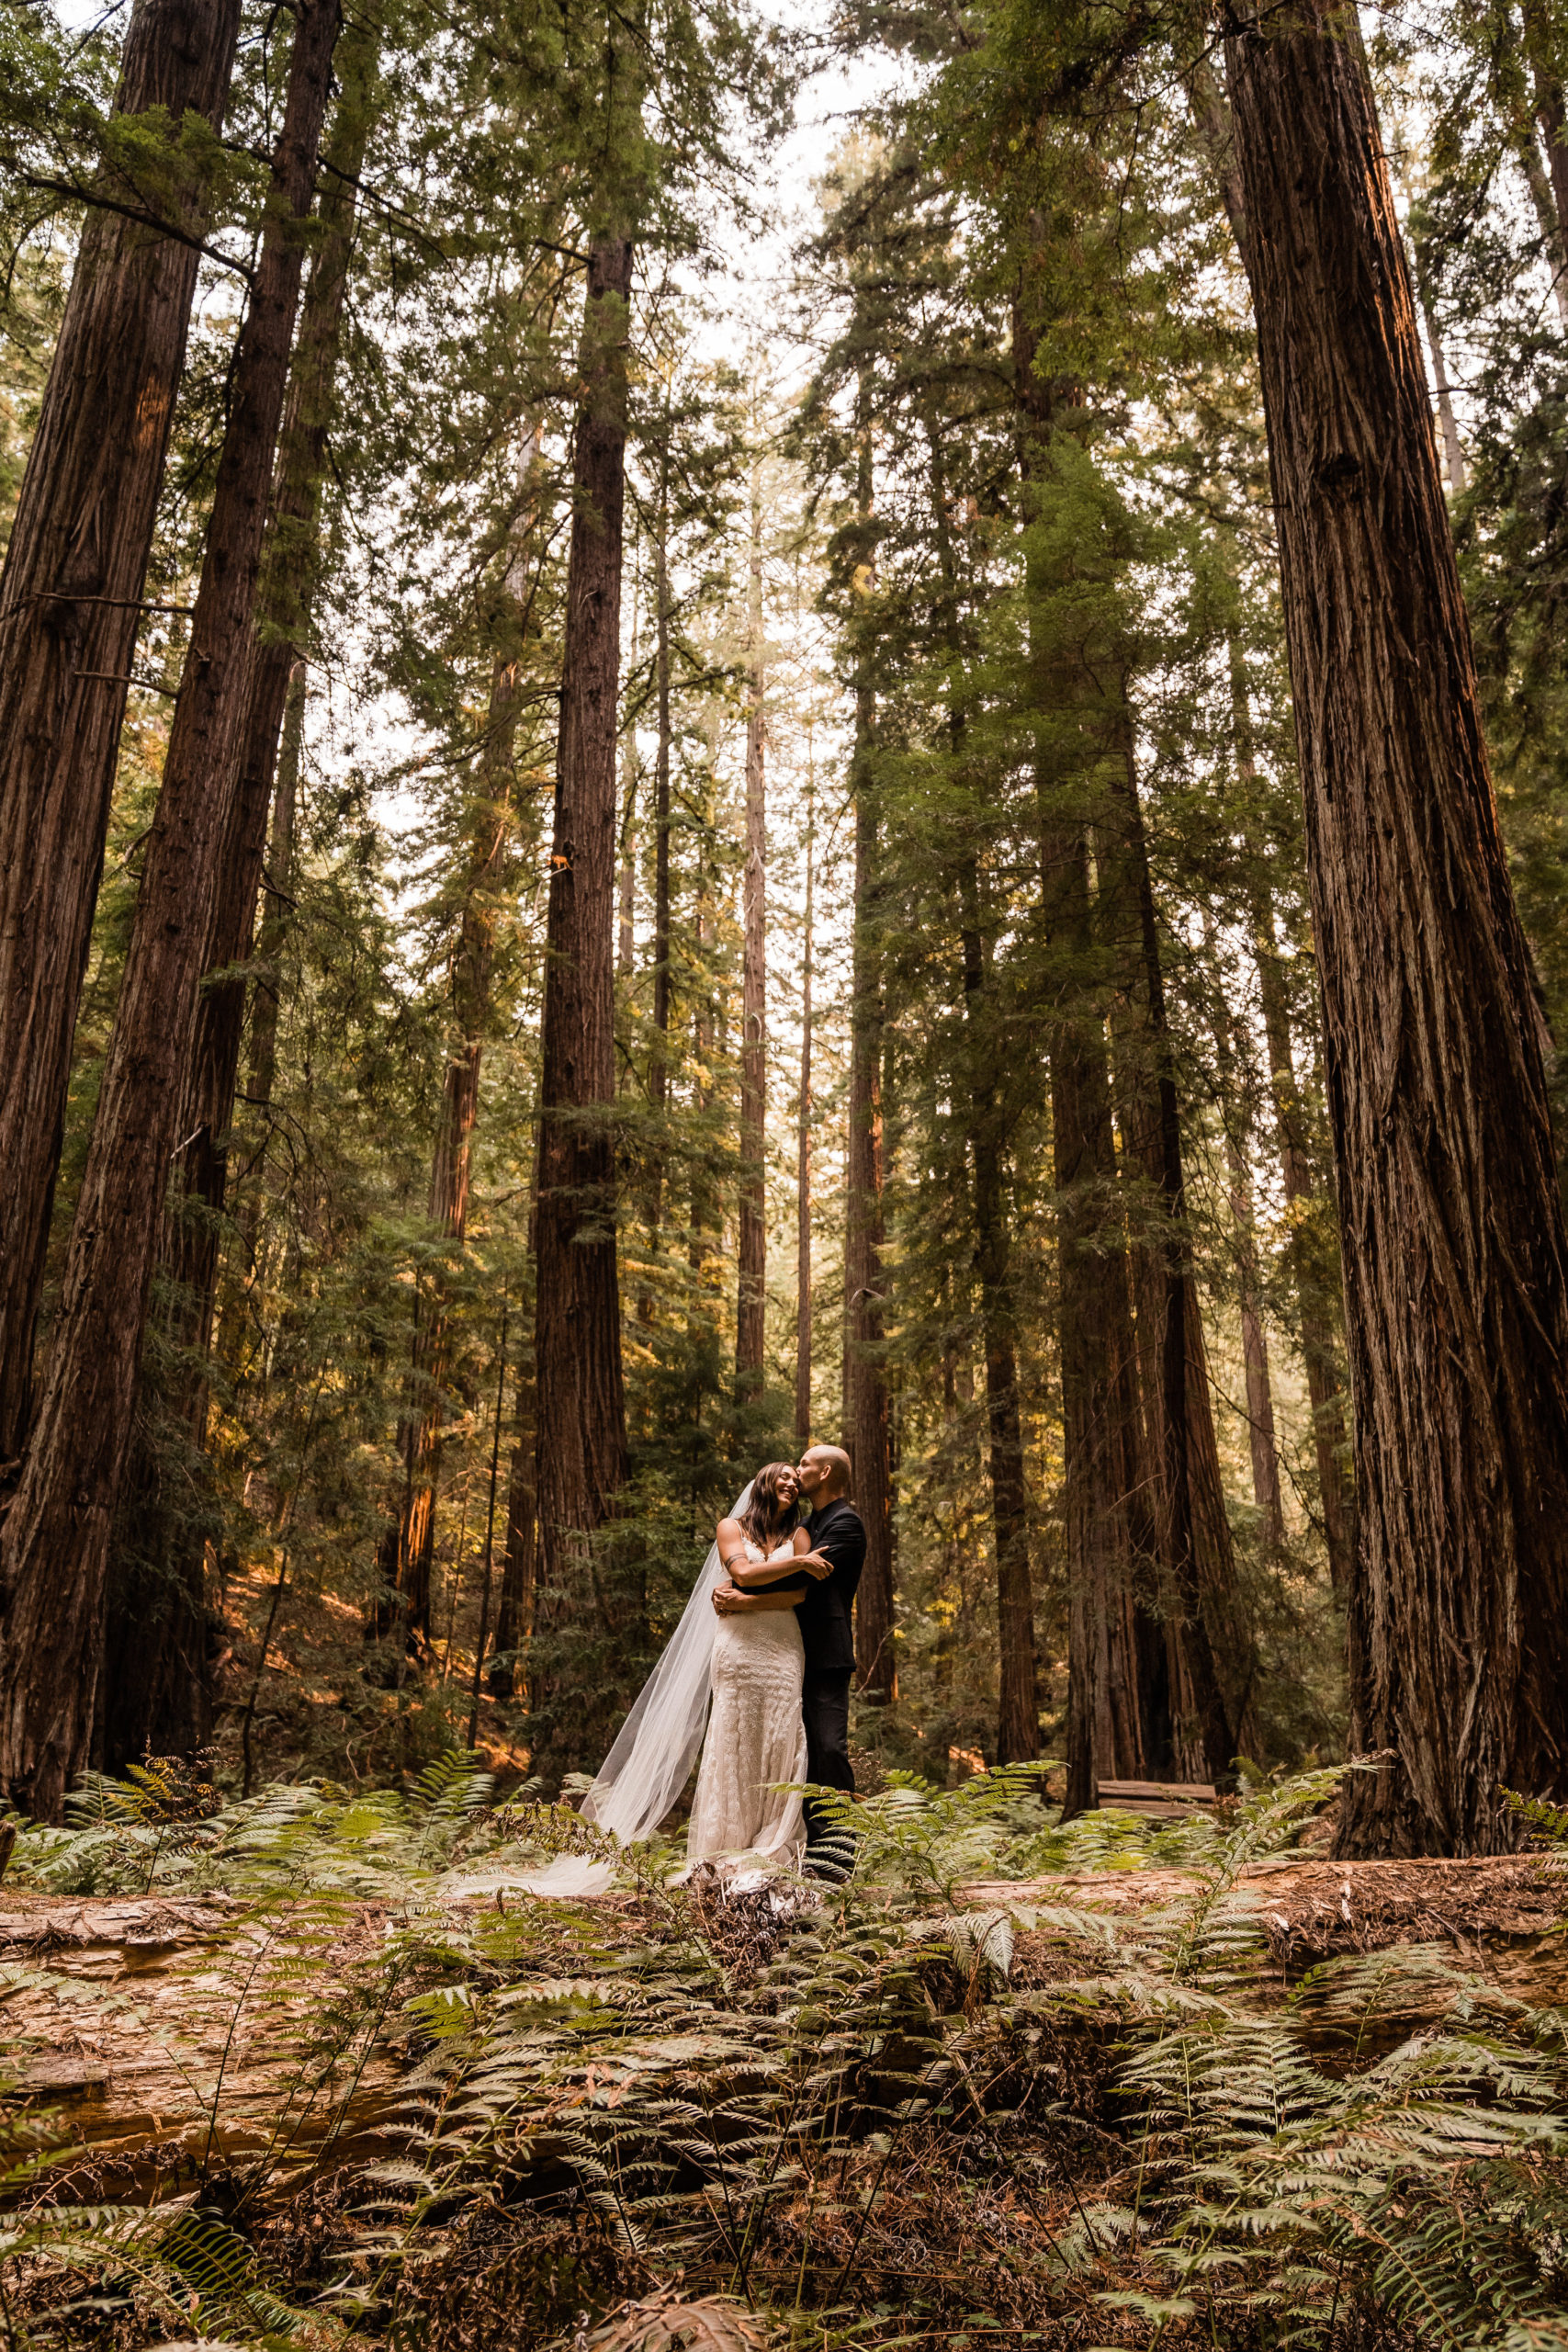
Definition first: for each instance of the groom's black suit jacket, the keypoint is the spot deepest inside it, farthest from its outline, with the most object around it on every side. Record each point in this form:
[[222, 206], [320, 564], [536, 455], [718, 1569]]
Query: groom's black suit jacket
[[826, 1629]]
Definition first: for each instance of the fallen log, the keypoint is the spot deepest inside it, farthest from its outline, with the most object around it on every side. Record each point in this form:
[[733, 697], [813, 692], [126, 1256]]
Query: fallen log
[[156, 2034]]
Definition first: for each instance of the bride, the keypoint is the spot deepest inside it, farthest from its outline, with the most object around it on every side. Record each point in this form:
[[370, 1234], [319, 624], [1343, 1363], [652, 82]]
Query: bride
[[747, 1669], [756, 1735]]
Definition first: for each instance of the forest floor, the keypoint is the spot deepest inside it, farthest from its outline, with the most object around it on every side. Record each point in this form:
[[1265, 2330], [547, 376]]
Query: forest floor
[[275, 2076]]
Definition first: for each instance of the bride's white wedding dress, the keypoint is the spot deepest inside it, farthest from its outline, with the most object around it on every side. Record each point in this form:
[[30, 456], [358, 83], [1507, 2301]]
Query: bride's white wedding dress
[[756, 1736]]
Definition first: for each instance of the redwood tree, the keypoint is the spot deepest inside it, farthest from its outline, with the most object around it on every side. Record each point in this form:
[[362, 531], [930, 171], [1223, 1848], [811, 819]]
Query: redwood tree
[[750, 1317], [1456, 1294], [54, 1544], [71, 604], [154, 1674], [582, 1403], [865, 1383]]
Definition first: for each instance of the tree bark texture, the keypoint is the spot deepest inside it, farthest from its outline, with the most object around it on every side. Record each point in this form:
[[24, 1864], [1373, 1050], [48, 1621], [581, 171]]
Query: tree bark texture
[[1212, 1666], [54, 1545], [1318, 1291], [1316, 1315], [1110, 1536], [277, 903], [1542, 46], [581, 1406], [803, 1154], [70, 606], [155, 1596], [1262, 1442], [1238, 1088], [868, 1434], [1018, 1718], [658, 1047], [750, 1310], [1456, 1295], [519, 1576], [1119, 1696]]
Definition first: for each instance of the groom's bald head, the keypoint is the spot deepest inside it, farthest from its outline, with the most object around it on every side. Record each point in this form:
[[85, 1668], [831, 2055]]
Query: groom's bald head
[[825, 1472]]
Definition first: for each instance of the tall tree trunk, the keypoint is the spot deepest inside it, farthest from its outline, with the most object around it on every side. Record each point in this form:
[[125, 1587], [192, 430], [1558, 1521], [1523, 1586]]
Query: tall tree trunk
[[1212, 1666], [407, 1555], [1456, 1295], [659, 1059], [1121, 1662], [277, 876], [54, 1545], [1238, 1091], [581, 1408], [1262, 1442], [1540, 45], [1109, 1532], [749, 1322], [514, 1611], [1315, 1303], [865, 1381], [70, 605], [803, 1145], [1017, 1720], [154, 1690], [986, 1127]]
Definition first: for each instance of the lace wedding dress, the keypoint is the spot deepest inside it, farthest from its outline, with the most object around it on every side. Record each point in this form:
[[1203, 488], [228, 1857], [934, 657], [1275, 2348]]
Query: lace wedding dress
[[756, 1736]]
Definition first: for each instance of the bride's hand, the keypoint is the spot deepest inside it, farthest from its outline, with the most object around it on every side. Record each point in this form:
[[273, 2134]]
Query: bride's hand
[[814, 1564]]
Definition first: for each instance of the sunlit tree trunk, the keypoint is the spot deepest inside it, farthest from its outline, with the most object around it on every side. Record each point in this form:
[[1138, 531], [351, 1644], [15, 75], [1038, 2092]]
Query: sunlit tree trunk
[[1316, 1310], [54, 1545], [70, 607], [1109, 1535], [659, 1057], [581, 1408], [1456, 1295], [515, 1610], [749, 1325], [802, 1150], [986, 1122], [1212, 1662], [154, 1690], [865, 1381]]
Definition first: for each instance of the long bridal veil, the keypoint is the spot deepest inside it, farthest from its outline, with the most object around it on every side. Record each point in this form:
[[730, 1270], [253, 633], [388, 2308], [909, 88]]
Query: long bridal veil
[[654, 1750], [657, 1745]]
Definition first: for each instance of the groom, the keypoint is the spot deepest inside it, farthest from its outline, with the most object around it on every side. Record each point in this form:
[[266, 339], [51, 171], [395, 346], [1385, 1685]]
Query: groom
[[833, 1563]]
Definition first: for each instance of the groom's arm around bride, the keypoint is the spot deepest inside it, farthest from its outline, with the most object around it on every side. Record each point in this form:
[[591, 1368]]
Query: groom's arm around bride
[[826, 1629]]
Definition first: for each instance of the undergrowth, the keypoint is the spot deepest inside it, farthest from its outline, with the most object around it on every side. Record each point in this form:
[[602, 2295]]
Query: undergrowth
[[892, 2113]]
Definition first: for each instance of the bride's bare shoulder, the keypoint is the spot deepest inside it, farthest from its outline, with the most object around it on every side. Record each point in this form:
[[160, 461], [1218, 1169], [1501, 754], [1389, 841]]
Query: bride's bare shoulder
[[729, 1532]]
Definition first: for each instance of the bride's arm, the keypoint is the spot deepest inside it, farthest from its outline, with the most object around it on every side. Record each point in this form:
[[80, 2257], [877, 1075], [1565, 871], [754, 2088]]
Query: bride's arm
[[731, 1602], [747, 1575]]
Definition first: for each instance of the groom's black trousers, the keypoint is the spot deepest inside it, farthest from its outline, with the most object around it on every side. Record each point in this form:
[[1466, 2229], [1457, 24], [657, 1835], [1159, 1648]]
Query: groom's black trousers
[[825, 1703]]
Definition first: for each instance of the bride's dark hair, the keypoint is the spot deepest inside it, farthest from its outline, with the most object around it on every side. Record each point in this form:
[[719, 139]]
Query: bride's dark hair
[[767, 1516]]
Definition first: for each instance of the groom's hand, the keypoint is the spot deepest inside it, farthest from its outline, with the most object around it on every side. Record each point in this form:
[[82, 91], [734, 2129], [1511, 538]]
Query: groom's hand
[[728, 1600]]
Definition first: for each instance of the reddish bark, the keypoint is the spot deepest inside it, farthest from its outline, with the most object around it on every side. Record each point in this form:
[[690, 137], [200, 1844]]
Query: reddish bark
[[867, 1434], [157, 1613], [750, 1329], [1455, 1287], [803, 1161], [70, 606], [54, 1544], [581, 1406]]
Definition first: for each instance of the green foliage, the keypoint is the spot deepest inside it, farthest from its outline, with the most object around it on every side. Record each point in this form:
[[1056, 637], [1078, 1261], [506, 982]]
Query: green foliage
[[760, 2094]]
